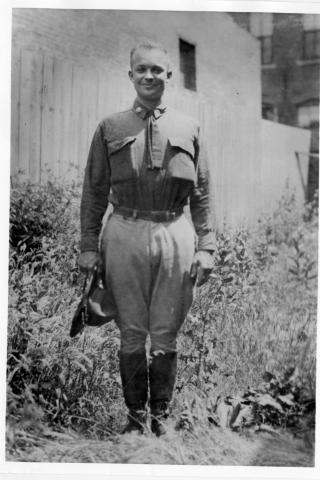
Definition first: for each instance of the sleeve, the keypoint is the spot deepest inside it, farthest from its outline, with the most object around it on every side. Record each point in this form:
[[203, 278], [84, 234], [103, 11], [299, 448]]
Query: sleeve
[[201, 200], [96, 187]]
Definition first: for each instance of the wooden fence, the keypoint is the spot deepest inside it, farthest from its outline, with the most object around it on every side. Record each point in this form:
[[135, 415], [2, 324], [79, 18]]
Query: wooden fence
[[56, 106]]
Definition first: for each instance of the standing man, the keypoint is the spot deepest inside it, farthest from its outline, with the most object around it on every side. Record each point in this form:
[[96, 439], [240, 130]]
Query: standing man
[[147, 161]]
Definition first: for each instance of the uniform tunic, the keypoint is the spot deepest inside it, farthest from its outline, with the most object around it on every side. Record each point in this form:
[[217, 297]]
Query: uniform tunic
[[147, 161]]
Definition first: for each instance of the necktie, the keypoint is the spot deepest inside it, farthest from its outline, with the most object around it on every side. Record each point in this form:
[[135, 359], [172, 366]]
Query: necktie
[[153, 140]]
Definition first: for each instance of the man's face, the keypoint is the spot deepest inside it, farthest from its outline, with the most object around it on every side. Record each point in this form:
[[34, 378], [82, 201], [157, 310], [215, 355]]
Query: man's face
[[149, 73]]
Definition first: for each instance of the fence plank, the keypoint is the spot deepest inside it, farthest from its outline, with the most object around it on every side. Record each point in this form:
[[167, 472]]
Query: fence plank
[[66, 147], [15, 110], [56, 106], [78, 114], [92, 87], [47, 124], [35, 116], [54, 165], [25, 96]]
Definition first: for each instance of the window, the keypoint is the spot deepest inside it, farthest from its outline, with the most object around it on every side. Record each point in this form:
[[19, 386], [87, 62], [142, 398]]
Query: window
[[266, 50], [308, 114], [188, 64], [311, 36], [261, 26], [269, 112]]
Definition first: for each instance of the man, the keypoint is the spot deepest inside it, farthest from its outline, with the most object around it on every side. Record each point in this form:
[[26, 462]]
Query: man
[[147, 161]]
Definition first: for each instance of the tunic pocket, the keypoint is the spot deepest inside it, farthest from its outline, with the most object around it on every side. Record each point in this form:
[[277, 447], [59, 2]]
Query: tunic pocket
[[121, 158], [181, 159]]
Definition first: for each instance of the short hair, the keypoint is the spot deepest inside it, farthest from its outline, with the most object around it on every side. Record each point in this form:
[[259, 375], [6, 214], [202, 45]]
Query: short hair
[[149, 45]]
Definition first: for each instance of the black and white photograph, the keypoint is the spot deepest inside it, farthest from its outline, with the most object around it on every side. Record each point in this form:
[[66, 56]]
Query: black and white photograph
[[163, 236]]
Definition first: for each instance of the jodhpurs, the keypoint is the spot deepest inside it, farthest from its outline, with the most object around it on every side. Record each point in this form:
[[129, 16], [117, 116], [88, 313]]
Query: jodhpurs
[[147, 267]]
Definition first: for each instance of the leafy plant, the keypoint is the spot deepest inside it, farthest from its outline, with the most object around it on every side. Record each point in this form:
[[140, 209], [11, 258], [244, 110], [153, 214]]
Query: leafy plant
[[257, 313], [38, 212]]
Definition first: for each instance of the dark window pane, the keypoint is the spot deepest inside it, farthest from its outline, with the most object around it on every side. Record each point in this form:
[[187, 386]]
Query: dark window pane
[[188, 64], [308, 44], [317, 49], [311, 44], [266, 50], [269, 112]]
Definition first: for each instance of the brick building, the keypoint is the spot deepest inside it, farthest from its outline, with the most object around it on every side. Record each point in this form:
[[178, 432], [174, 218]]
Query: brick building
[[69, 70], [102, 39], [290, 61]]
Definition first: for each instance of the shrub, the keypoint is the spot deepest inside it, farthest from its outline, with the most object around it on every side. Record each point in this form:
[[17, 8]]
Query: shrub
[[256, 313], [38, 213]]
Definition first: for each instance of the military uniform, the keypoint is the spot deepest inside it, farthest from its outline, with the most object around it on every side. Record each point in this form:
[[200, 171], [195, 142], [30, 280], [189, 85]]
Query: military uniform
[[149, 165]]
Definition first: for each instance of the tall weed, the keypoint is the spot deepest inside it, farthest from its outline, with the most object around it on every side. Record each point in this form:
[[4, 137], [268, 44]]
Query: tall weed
[[257, 313]]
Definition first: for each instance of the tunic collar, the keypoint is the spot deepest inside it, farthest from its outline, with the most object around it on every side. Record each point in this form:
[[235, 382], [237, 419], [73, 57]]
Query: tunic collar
[[143, 112]]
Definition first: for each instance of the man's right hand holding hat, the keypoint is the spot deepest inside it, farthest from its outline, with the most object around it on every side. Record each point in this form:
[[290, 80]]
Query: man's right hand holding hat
[[88, 260]]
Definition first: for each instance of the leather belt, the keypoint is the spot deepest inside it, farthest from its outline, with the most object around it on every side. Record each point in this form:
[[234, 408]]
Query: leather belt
[[152, 215]]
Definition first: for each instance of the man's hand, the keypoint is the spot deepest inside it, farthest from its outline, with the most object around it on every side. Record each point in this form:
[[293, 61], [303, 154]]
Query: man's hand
[[201, 267], [88, 260]]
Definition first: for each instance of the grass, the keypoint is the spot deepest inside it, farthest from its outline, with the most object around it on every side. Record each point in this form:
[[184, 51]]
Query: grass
[[204, 446], [256, 314]]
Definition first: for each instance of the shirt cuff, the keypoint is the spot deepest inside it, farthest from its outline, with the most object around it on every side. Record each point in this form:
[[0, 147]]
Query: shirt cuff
[[89, 243], [207, 242]]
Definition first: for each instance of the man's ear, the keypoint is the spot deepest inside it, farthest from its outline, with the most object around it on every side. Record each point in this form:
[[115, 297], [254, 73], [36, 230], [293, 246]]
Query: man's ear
[[130, 74]]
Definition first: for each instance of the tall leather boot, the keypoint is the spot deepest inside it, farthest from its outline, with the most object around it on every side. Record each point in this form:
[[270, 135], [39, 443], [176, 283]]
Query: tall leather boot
[[134, 377], [162, 375]]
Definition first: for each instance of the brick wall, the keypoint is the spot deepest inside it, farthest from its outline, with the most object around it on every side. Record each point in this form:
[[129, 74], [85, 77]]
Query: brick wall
[[289, 81], [103, 39], [69, 69]]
